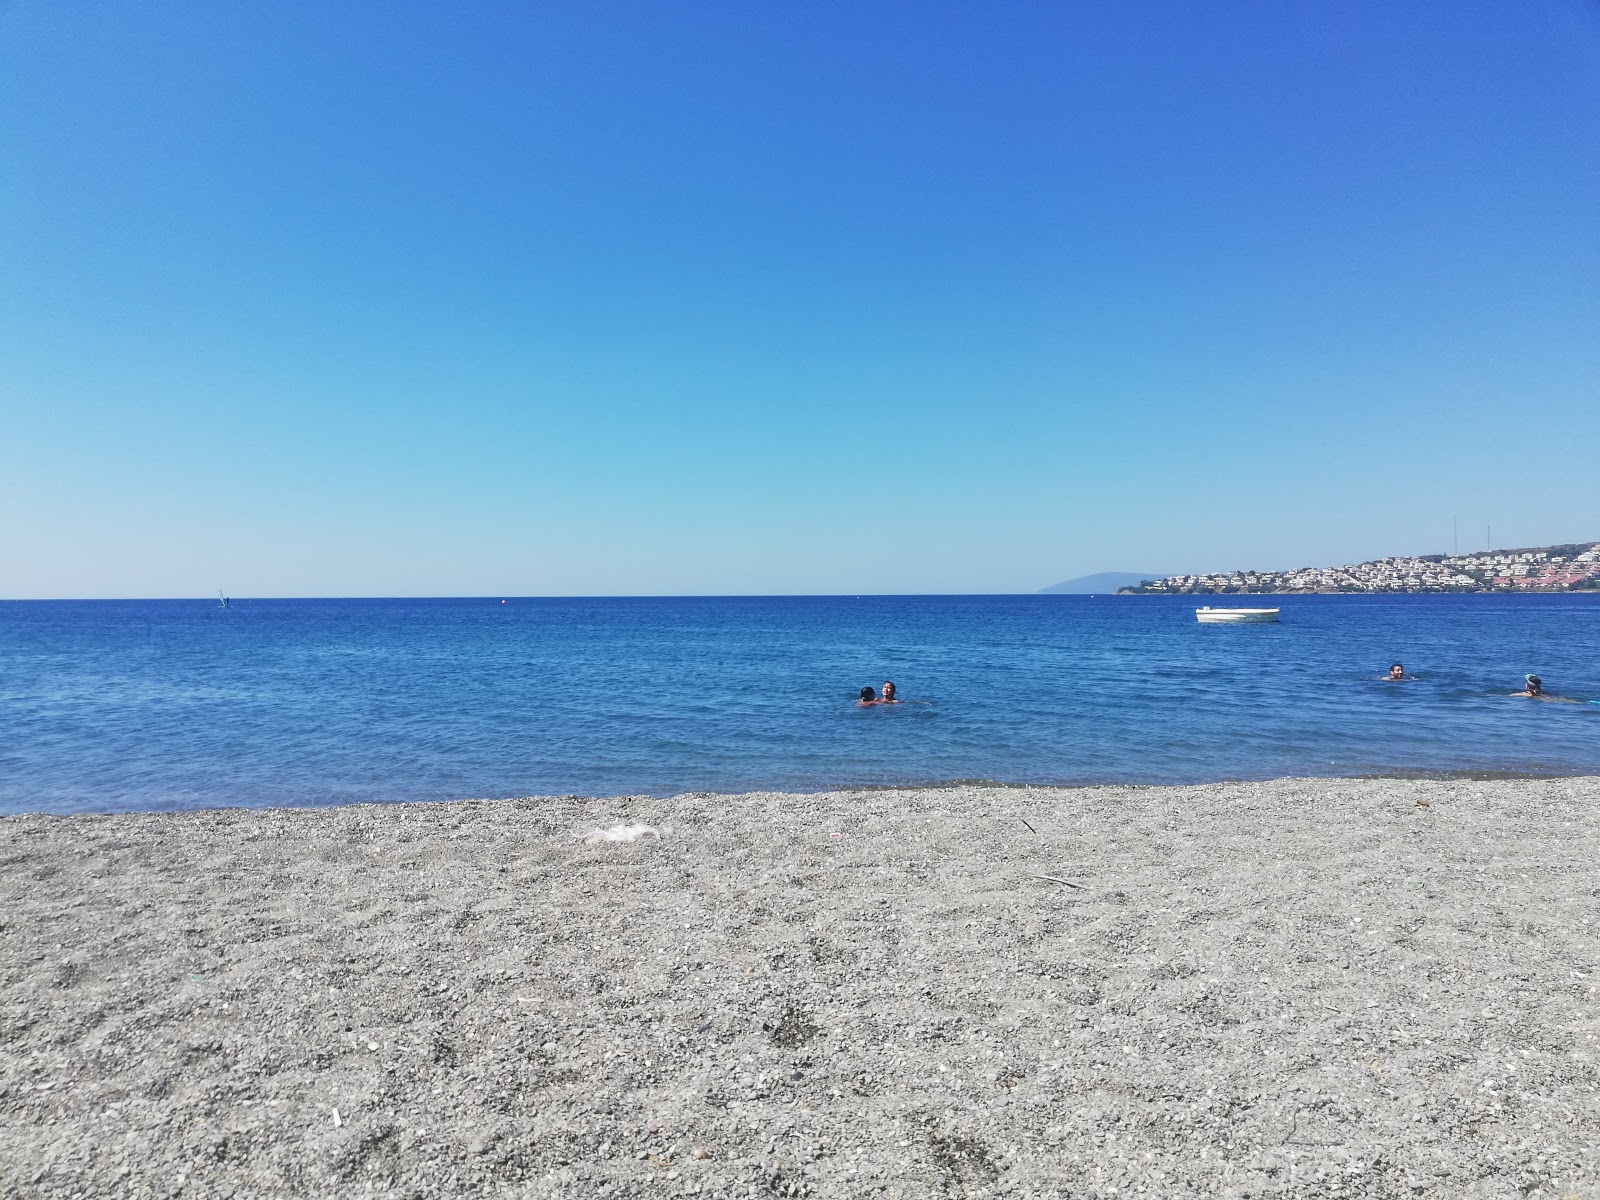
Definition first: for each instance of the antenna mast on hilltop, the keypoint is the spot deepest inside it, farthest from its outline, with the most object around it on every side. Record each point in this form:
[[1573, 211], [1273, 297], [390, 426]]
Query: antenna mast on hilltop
[[1455, 538]]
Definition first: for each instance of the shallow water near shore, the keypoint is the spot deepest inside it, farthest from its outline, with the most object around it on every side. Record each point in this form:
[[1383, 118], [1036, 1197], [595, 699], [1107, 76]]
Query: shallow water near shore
[[119, 705]]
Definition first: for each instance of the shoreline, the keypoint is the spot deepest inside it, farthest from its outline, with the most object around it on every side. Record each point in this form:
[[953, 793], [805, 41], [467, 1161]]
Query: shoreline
[[1399, 775], [1348, 986]]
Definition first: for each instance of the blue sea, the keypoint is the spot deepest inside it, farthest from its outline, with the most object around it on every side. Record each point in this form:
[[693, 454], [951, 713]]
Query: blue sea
[[146, 705]]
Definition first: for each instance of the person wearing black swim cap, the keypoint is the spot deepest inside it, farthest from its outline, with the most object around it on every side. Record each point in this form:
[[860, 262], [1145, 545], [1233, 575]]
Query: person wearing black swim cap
[[1535, 691]]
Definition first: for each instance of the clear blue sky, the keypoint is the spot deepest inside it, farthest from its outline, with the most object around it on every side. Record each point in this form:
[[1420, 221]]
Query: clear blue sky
[[650, 298]]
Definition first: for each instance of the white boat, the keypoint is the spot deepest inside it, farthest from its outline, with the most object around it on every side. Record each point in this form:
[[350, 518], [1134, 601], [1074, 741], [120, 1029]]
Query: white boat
[[1233, 616]]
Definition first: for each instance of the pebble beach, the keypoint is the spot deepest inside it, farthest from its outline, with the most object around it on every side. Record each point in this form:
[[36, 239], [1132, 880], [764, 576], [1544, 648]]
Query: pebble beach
[[1305, 987]]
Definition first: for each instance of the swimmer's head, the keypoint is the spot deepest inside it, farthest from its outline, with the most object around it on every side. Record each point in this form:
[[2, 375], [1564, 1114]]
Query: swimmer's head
[[888, 689], [868, 694], [1397, 672], [1535, 684]]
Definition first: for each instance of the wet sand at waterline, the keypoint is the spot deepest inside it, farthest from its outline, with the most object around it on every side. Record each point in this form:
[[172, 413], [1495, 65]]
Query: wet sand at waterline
[[1299, 988]]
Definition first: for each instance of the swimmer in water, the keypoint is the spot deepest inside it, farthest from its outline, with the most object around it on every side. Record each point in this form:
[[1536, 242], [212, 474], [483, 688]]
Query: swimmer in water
[[868, 696], [1397, 673], [1535, 691], [888, 693]]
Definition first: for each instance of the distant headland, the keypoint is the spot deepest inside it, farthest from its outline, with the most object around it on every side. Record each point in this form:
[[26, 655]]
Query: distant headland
[[1102, 584], [1568, 568]]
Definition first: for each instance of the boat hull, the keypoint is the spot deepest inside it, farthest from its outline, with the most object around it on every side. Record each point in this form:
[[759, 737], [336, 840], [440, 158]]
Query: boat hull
[[1235, 616]]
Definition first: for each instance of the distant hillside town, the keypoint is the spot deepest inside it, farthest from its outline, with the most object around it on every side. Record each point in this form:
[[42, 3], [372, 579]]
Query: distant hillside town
[[1546, 569]]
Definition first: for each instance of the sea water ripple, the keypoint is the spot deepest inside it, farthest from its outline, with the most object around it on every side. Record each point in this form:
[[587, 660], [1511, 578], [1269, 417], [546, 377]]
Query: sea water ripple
[[133, 705]]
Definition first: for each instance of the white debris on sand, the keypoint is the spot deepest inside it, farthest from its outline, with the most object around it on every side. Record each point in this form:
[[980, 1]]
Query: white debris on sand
[[619, 833], [1295, 988]]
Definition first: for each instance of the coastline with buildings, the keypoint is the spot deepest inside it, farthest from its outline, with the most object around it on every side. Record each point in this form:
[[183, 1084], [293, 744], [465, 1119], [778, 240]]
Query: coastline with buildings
[[1565, 568]]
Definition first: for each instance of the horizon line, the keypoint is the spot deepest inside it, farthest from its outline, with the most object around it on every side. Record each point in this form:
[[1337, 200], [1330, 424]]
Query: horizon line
[[1041, 594], [507, 596]]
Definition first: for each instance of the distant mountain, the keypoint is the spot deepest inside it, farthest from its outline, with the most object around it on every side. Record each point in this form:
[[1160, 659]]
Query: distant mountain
[[1105, 582]]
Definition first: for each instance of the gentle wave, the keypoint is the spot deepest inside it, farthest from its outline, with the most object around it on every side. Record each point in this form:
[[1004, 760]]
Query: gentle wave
[[170, 704]]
